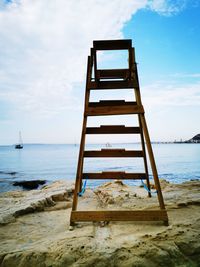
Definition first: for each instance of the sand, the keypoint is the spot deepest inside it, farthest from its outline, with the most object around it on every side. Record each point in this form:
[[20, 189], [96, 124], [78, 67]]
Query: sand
[[34, 228]]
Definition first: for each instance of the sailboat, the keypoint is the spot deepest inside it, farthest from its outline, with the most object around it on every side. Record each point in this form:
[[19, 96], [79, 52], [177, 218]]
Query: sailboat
[[20, 144]]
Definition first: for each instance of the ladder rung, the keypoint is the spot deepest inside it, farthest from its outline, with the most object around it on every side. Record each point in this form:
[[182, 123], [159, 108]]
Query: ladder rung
[[112, 44], [107, 153], [111, 85], [112, 129], [113, 74], [103, 103], [102, 110], [119, 215], [114, 175]]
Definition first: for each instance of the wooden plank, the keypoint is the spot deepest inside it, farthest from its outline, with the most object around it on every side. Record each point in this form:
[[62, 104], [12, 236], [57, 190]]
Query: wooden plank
[[152, 161], [112, 129], [148, 141], [103, 103], [130, 63], [78, 183], [114, 110], [101, 85], [119, 215], [112, 44], [114, 175], [113, 73], [94, 57], [107, 153], [144, 158]]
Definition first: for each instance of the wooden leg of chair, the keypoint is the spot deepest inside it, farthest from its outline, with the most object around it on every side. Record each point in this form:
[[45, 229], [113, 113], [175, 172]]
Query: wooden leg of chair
[[152, 161], [145, 158]]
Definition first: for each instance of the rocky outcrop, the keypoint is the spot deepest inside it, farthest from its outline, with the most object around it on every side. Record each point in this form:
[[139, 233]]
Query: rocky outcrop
[[29, 185], [114, 193], [16, 203], [42, 237]]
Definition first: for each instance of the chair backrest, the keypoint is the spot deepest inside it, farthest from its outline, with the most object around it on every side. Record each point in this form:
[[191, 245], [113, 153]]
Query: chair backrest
[[111, 45]]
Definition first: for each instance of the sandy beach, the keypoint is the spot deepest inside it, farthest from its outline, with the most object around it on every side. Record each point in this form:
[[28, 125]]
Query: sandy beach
[[35, 230]]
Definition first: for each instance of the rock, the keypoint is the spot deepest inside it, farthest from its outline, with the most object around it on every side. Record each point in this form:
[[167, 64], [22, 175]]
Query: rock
[[114, 193], [29, 185], [13, 204], [44, 238], [60, 197], [7, 219], [59, 206]]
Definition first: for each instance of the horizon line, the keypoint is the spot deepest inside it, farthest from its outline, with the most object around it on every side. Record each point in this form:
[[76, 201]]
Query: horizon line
[[78, 144]]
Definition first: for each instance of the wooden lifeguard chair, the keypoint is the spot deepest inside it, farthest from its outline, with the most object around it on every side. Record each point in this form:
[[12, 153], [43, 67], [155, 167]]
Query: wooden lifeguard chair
[[115, 79]]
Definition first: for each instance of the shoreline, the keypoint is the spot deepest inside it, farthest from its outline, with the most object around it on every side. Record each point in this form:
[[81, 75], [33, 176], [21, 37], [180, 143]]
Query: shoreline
[[34, 228], [8, 185]]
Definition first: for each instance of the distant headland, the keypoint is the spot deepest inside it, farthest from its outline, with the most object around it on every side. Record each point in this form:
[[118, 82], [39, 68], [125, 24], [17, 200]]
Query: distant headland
[[195, 139]]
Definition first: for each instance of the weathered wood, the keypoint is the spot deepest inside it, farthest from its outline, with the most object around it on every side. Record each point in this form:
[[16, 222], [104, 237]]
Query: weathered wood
[[101, 85], [78, 182], [112, 129], [94, 57], [114, 175], [103, 103], [147, 137], [112, 44], [145, 158], [113, 73], [130, 63], [114, 110], [107, 153], [152, 162], [123, 79], [133, 72], [119, 215]]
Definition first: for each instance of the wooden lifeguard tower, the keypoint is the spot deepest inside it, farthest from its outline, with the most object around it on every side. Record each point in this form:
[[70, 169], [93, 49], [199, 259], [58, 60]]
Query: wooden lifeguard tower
[[115, 79]]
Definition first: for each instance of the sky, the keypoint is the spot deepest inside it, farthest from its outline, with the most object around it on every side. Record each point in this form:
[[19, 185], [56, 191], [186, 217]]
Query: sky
[[43, 52]]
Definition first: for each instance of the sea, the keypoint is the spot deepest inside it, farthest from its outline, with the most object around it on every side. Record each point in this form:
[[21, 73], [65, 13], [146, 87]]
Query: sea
[[177, 163]]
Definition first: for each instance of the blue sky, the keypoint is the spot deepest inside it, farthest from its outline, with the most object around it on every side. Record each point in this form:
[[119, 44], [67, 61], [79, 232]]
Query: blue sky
[[169, 43], [43, 51]]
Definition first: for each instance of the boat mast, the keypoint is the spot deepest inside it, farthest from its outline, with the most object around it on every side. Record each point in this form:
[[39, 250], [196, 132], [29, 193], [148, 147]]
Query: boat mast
[[20, 138]]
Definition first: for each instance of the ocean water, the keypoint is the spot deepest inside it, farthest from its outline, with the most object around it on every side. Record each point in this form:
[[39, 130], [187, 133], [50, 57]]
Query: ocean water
[[176, 163]]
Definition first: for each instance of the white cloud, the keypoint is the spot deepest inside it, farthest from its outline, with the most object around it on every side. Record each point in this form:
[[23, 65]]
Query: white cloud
[[44, 45], [168, 7], [164, 95]]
